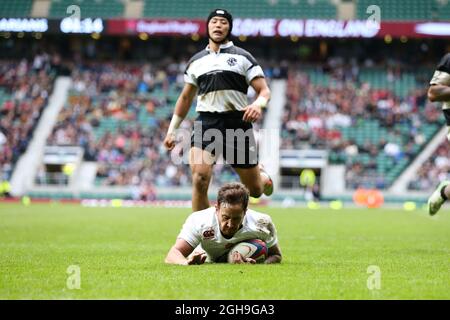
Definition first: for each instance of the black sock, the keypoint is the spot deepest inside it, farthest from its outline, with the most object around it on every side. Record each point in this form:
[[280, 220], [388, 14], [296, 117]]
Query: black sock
[[443, 193]]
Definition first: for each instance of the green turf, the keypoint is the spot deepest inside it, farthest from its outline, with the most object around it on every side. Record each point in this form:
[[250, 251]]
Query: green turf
[[120, 252]]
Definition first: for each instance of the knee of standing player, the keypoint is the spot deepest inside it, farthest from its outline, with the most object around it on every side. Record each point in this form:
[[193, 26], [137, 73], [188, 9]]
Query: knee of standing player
[[200, 180]]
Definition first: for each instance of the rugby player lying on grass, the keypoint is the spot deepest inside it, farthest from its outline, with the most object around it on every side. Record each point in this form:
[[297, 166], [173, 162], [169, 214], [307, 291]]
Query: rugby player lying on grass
[[214, 231]]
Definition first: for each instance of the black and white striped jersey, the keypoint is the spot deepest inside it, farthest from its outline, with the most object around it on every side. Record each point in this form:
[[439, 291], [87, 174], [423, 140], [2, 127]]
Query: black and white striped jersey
[[222, 78], [442, 76]]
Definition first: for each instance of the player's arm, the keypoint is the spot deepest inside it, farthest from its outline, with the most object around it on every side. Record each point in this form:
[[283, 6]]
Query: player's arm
[[273, 254], [439, 89], [253, 112], [180, 251], [182, 106], [438, 92]]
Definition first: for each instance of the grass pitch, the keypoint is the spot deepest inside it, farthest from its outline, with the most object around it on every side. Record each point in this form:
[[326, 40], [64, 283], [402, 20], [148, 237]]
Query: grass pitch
[[120, 252]]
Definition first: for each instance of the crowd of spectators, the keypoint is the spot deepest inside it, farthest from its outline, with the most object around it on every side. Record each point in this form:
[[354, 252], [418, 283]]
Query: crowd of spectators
[[132, 153], [434, 170], [140, 100], [24, 90], [316, 116]]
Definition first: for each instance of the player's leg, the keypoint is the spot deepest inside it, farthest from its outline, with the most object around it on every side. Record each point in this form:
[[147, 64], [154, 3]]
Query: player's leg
[[266, 181], [242, 153], [201, 163], [439, 196], [256, 180]]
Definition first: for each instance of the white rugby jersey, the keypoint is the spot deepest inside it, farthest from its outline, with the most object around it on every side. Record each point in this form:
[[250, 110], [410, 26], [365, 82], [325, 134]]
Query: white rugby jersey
[[442, 76], [222, 78], [202, 228]]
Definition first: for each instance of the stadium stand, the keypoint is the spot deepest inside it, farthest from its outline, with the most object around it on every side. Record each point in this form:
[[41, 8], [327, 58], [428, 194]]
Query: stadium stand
[[24, 91], [365, 124], [88, 8], [407, 9], [373, 118], [16, 8], [119, 114], [111, 115], [401, 10], [246, 9], [434, 170]]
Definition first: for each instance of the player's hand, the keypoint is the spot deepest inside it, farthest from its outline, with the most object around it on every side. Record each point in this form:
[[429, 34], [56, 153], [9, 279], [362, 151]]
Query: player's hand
[[252, 113], [237, 258], [196, 258], [169, 142]]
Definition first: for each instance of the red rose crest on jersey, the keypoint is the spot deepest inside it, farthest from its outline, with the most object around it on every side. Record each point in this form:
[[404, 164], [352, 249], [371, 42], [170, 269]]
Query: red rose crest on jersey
[[209, 234]]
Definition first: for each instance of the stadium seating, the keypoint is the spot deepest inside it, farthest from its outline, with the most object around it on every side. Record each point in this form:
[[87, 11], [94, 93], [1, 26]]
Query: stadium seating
[[434, 170], [24, 90], [245, 9], [417, 10], [407, 9], [443, 11], [373, 126], [121, 124], [380, 79], [89, 8], [368, 123], [16, 8]]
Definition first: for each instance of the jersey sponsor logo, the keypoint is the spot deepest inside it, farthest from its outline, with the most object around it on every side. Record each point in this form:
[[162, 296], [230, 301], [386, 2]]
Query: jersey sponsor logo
[[208, 234]]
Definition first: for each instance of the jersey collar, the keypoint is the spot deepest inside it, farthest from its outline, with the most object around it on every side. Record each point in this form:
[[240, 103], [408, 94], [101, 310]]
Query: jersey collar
[[222, 46]]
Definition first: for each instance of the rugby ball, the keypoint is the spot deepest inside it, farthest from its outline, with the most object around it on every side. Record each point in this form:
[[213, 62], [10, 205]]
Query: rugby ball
[[255, 249]]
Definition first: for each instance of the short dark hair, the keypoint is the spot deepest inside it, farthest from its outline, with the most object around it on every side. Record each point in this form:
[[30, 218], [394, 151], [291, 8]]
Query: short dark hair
[[233, 193]]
